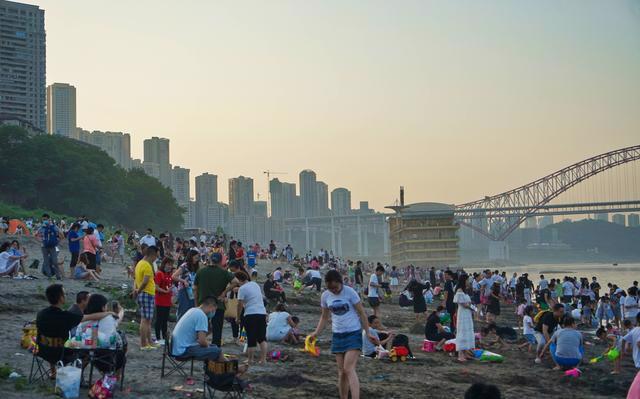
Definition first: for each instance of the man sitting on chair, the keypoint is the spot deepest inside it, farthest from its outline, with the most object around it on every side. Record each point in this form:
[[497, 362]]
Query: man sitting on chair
[[53, 326], [189, 337]]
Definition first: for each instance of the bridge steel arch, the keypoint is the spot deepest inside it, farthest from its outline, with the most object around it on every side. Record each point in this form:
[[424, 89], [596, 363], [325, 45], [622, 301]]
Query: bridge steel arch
[[531, 197]]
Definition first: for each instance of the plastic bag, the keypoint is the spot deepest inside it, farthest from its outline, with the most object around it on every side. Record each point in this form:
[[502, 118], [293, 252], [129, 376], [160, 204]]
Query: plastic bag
[[68, 379], [103, 388]]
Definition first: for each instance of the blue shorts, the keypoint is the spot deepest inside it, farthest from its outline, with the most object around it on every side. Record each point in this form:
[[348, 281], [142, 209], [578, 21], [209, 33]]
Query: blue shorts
[[564, 361], [530, 339], [344, 342]]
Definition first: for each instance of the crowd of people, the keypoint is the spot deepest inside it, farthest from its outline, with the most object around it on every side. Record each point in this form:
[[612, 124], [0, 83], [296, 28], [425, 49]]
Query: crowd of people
[[213, 280]]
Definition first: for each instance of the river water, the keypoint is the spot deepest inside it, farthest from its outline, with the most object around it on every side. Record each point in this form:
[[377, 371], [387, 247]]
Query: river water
[[623, 274]]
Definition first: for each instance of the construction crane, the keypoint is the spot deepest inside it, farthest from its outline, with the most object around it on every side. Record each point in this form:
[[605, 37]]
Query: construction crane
[[269, 173]]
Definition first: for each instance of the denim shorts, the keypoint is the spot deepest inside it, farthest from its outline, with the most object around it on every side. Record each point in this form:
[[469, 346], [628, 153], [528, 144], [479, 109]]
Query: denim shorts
[[344, 342], [530, 338]]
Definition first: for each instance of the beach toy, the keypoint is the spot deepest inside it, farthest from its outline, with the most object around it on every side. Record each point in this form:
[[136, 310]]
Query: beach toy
[[575, 373], [398, 353], [428, 346], [243, 335], [487, 356], [596, 359], [310, 346], [613, 354], [450, 345], [275, 355]]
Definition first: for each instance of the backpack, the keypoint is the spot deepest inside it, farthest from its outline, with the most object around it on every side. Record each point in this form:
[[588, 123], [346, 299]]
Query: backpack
[[50, 237]]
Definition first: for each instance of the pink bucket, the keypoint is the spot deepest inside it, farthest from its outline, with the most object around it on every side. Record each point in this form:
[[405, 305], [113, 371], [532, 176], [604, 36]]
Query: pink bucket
[[428, 346]]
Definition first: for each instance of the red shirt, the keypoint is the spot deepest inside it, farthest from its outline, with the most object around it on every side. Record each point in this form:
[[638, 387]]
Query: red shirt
[[163, 280]]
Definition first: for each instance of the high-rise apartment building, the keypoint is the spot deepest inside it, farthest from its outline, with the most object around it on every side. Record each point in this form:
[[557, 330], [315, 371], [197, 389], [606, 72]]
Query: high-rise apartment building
[[180, 185], [241, 196], [284, 204], [152, 169], [340, 202], [116, 144], [308, 193], [61, 109], [322, 191], [156, 150], [260, 208], [206, 197], [23, 63]]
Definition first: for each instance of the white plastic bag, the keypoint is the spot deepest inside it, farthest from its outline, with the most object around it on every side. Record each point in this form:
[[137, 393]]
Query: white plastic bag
[[68, 379]]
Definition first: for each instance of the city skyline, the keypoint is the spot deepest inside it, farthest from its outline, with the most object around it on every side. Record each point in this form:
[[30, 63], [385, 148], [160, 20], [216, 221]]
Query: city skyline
[[408, 81]]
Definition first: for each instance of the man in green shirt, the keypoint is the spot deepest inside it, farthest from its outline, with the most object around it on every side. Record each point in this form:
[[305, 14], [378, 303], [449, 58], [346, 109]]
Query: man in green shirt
[[215, 281]]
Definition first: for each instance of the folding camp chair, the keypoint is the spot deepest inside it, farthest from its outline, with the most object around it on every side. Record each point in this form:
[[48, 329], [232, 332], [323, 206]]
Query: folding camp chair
[[176, 363], [221, 377], [40, 367]]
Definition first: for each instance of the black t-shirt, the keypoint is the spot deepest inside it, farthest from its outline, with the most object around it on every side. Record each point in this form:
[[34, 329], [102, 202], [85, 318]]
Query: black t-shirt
[[550, 320], [448, 287], [54, 322], [268, 285], [430, 329], [359, 276], [544, 294]]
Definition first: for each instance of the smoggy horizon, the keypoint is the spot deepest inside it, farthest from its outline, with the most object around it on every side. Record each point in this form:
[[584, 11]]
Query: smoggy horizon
[[454, 100]]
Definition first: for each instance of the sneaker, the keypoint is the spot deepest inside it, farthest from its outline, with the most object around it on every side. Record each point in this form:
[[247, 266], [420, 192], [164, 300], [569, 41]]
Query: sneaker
[[148, 348], [159, 342]]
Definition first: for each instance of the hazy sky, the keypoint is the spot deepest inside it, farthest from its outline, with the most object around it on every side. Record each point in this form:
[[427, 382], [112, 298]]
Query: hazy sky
[[452, 99]]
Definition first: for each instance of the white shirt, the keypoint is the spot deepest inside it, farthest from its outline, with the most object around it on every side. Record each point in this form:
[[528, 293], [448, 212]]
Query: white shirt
[[633, 337], [527, 325], [567, 288], [543, 284], [344, 317], [315, 274], [149, 240], [373, 291], [632, 311], [251, 295]]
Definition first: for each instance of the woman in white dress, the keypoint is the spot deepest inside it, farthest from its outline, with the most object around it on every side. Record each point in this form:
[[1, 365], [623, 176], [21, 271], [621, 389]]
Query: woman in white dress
[[465, 336]]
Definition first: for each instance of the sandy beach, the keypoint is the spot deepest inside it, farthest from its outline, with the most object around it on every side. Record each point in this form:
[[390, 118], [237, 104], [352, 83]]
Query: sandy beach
[[434, 375]]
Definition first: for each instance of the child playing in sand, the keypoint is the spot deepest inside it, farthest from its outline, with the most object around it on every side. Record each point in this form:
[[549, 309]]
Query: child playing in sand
[[80, 272], [614, 348], [489, 339], [527, 328]]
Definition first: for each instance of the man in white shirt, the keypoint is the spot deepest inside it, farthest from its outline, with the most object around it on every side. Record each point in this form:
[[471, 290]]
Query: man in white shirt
[[148, 239], [543, 284], [374, 284], [633, 339], [631, 305]]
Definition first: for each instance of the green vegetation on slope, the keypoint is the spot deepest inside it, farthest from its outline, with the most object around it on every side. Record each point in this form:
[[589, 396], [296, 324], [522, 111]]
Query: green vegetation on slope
[[73, 178]]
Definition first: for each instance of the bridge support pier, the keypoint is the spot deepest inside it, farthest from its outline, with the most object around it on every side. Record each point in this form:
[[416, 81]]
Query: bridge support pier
[[498, 250]]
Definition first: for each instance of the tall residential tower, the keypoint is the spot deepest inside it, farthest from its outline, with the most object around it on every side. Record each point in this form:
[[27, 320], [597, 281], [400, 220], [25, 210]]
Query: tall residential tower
[[23, 63], [61, 109]]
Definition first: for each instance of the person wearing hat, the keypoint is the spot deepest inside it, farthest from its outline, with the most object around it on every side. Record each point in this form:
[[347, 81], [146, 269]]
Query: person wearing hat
[[215, 281]]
